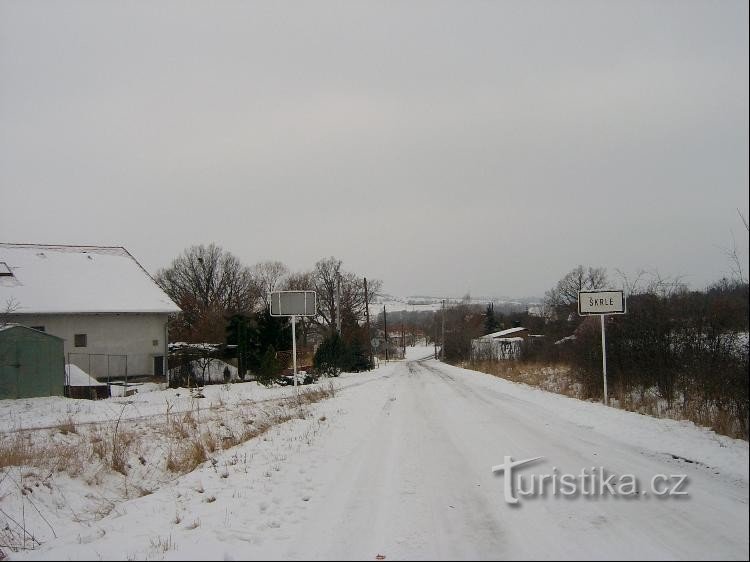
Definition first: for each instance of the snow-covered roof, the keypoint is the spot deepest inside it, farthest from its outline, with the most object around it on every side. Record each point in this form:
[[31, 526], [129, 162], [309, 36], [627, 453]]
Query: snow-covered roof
[[505, 333], [4, 327], [79, 377], [53, 279], [511, 340], [566, 339]]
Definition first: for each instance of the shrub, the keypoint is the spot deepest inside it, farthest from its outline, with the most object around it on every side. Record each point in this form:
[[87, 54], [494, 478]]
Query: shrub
[[269, 367], [331, 356]]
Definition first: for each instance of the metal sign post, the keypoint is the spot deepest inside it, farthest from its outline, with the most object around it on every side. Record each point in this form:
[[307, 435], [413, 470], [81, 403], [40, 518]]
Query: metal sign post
[[294, 351], [604, 360], [293, 303], [601, 303]]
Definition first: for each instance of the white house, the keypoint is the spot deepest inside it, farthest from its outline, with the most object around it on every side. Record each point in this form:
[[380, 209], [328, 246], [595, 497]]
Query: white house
[[109, 311]]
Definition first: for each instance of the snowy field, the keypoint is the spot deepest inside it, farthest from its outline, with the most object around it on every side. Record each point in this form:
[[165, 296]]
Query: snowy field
[[396, 464], [434, 304]]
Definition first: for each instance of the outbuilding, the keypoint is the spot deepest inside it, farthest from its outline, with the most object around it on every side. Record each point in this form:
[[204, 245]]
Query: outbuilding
[[505, 344], [32, 363]]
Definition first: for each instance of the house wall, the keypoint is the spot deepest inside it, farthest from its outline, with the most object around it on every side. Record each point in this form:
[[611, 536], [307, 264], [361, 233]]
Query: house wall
[[109, 337], [492, 349], [31, 364]]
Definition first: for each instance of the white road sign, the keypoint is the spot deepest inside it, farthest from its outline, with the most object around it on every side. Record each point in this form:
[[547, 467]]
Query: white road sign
[[601, 302], [293, 303]]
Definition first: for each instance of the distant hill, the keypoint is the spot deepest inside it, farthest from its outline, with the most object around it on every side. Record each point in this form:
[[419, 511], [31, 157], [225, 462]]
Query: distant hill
[[394, 303]]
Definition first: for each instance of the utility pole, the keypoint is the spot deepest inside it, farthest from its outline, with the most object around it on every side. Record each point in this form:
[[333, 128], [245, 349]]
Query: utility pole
[[241, 348], [403, 334], [294, 352], [367, 319], [338, 301], [385, 330], [442, 347], [434, 339]]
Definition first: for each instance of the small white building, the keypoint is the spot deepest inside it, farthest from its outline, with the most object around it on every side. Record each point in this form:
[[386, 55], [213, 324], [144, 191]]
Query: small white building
[[505, 344], [109, 311]]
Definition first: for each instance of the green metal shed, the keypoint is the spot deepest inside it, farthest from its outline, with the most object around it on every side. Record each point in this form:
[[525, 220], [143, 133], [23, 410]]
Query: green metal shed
[[32, 363]]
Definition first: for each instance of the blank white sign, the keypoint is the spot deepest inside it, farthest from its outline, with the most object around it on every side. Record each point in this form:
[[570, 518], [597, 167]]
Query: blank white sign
[[293, 303]]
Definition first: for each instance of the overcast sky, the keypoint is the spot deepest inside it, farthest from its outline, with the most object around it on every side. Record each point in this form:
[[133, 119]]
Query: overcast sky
[[443, 147]]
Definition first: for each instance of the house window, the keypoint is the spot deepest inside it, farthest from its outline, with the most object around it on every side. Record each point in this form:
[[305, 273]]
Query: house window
[[40, 328], [154, 342], [80, 340]]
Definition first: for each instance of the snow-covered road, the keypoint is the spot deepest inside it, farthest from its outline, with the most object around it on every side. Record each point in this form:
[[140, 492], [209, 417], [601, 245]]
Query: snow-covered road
[[399, 464], [418, 484]]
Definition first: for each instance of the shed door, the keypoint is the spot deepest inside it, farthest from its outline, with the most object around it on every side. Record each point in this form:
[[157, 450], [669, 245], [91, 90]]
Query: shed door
[[9, 369], [32, 380]]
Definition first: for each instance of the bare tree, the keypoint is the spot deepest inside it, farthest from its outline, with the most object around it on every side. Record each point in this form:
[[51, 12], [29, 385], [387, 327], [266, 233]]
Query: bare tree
[[6, 317], [631, 285], [325, 277], [562, 299], [269, 276], [737, 265], [353, 294], [6, 313], [208, 283], [744, 220], [301, 281], [651, 282]]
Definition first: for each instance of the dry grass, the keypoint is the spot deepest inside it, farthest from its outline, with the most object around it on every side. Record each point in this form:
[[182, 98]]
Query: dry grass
[[122, 442], [188, 419], [210, 441], [19, 449], [162, 544], [67, 426], [316, 394], [142, 453], [559, 378], [551, 377], [114, 450], [187, 456], [721, 420], [177, 430], [187, 439]]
